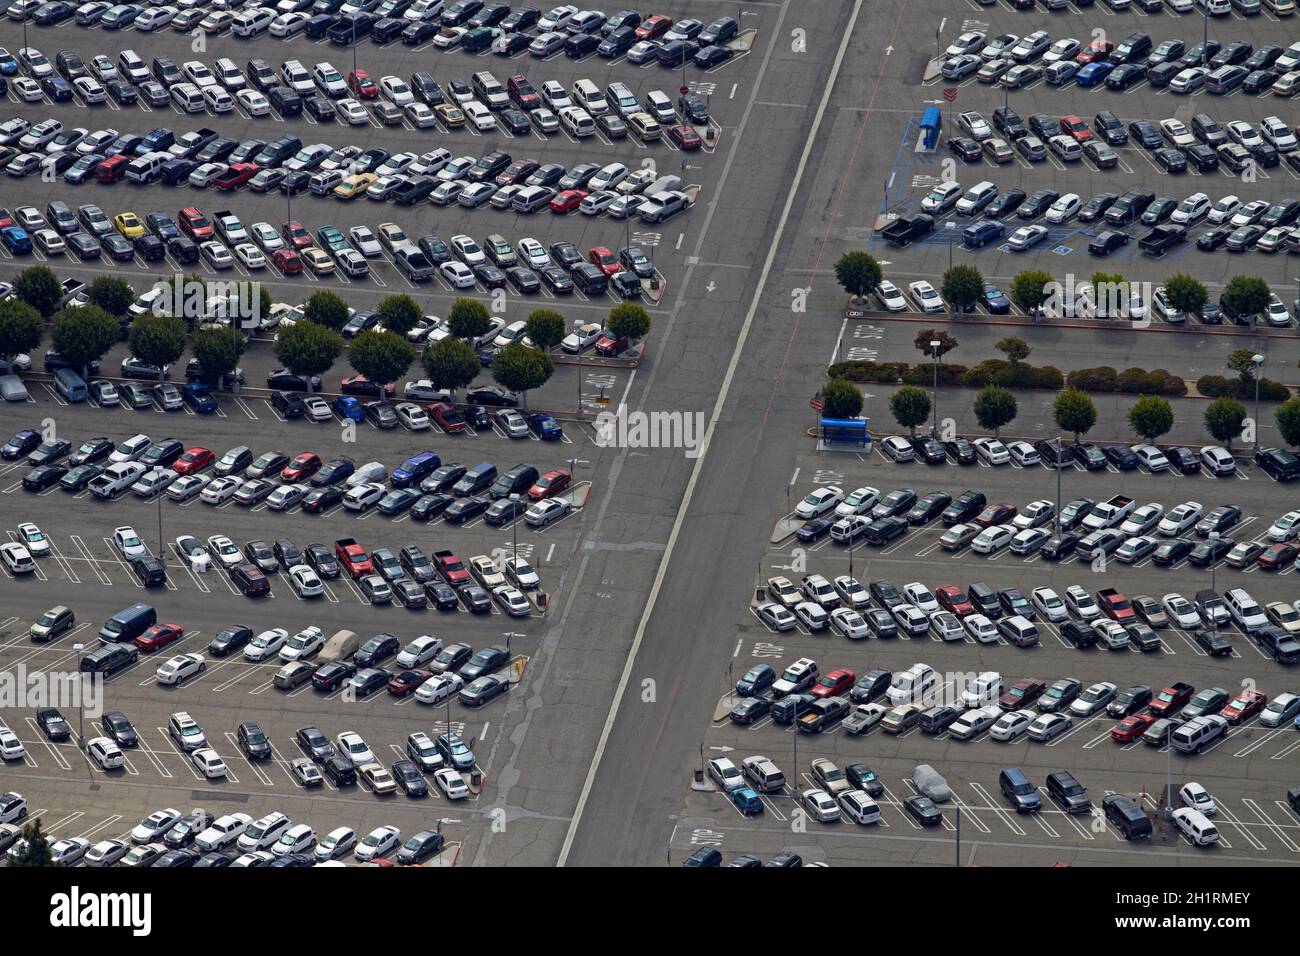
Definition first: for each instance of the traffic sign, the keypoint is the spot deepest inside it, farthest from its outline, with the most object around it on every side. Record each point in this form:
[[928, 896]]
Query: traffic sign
[[816, 403], [950, 94]]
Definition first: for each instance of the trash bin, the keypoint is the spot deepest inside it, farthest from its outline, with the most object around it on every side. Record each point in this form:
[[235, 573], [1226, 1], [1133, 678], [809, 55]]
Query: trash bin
[[476, 778]]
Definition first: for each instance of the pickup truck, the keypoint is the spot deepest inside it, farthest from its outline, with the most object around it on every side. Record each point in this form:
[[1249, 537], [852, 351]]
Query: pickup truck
[[822, 714], [1116, 606], [1161, 239], [189, 144], [116, 479], [903, 230], [451, 568], [1108, 513], [1172, 699], [353, 557], [229, 227], [69, 290]]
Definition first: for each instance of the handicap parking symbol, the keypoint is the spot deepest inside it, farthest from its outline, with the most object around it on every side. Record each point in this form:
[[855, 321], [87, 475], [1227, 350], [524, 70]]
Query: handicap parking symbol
[[1062, 250]]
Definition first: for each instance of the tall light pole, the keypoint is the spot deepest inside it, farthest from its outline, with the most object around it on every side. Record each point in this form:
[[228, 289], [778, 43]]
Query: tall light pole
[[934, 402], [1256, 360], [1058, 484]]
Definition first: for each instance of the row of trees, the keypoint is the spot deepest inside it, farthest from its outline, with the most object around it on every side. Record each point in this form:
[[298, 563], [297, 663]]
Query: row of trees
[[860, 274], [310, 347]]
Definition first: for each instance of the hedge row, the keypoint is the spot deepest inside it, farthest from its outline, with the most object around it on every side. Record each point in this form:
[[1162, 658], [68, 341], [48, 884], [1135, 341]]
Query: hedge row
[[1216, 386], [990, 372], [1131, 381]]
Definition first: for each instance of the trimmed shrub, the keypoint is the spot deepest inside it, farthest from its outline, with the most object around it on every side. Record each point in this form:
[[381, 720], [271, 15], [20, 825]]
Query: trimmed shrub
[[1100, 379]]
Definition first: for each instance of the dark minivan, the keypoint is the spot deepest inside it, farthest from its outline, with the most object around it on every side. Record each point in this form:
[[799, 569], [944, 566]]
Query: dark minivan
[[516, 481], [128, 624]]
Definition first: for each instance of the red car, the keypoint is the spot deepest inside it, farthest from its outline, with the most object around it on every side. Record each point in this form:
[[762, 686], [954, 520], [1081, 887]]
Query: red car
[[685, 138], [194, 224], [609, 346], [1277, 556], [287, 261], [523, 92], [1022, 694], [1116, 606], [302, 467], [1244, 706], [158, 637], [296, 234], [834, 683], [604, 260], [194, 460], [568, 200], [1172, 699], [1074, 126], [551, 483], [6, 219], [447, 418], [407, 682], [954, 599], [451, 568], [653, 27], [995, 514], [1131, 728], [236, 176], [1097, 50], [361, 85]]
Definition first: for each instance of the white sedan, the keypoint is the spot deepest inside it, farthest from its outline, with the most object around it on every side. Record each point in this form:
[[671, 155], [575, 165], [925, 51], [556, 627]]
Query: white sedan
[[926, 297], [849, 623], [253, 103], [351, 112], [378, 842], [439, 688], [225, 550], [180, 668], [11, 748], [513, 602], [33, 539], [991, 451], [1049, 604], [980, 628], [1181, 518], [994, 539], [192, 551], [266, 236], [480, 116], [1181, 611], [451, 783], [365, 241], [209, 764], [890, 297], [336, 843], [249, 256], [1012, 725], [306, 583], [128, 542], [458, 274], [266, 644], [220, 490], [819, 502]]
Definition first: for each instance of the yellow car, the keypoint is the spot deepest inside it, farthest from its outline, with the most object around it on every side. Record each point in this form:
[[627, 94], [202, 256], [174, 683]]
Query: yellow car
[[354, 186], [129, 225], [450, 116], [317, 260]]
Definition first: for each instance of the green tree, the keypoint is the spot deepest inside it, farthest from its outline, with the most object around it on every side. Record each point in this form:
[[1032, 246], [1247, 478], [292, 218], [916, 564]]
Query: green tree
[[911, 407], [858, 273], [307, 349], [1242, 361], [841, 399], [545, 328], [40, 288], [1185, 293], [628, 320], [1288, 421], [382, 357], [1245, 295], [326, 309], [217, 352], [994, 408], [451, 363], [398, 313], [1075, 412], [962, 287], [1224, 419], [21, 328], [84, 335], [923, 339], [1030, 289], [1105, 297], [111, 294], [37, 850], [521, 369], [1015, 349], [157, 339], [1150, 417], [468, 319]]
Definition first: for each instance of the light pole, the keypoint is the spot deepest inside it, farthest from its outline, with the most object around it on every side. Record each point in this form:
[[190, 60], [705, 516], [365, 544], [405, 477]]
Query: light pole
[[514, 529], [934, 349], [1058, 484], [1256, 360]]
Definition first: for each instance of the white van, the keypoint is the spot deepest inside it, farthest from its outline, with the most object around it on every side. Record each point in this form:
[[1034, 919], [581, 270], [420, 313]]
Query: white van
[[531, 199], [188, 98], [147, 168], [984, 689], [913, 686], [1196, 826], [1245, 613], [323, 183], [577, 121], [587, 95], [1198, 733], [250, 23], [623, 99], [762, 774], [976, 198], [860, 807]]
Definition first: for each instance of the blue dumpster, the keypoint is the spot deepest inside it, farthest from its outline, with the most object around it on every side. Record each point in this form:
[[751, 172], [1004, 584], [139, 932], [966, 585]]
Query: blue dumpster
[[931, 120]]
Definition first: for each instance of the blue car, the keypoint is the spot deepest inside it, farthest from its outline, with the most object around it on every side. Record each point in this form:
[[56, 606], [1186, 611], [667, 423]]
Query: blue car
[[415, 469], [345, 406], [8, 63], [21, 444], [1094, 74], [57, 89], [983, 232], [995, 301], [16, 240], [756, 680], [158, 139], [198, 397], [746, 801], [545, 427], [120, 16]]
